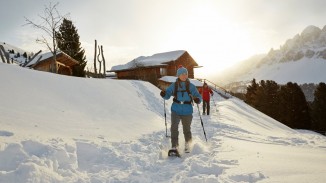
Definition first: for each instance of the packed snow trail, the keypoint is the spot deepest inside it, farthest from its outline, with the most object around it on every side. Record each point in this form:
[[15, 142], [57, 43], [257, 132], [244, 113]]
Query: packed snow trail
[[143, 160]]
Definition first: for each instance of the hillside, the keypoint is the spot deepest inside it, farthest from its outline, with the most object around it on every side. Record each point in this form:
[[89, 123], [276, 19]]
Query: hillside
[[301, 59], [57, 128], [17, 56]]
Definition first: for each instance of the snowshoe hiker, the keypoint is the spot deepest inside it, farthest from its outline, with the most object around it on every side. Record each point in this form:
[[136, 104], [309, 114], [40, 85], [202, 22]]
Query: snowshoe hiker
[[184, 94], [206, 92]]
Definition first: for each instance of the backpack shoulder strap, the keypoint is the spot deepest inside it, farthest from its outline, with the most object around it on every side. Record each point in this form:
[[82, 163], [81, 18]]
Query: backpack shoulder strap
[[176, 85], [188, 90], [187, 86], [176, 89]]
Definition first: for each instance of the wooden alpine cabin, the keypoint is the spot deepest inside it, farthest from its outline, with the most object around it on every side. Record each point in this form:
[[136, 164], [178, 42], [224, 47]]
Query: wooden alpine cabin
[[42, 62], [152, 68]]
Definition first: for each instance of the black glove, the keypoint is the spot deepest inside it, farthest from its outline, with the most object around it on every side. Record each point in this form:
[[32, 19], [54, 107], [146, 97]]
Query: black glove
[[197, 101], [162, 93]]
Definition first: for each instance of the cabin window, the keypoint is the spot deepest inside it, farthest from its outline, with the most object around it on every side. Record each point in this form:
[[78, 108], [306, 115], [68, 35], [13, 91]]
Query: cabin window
[[163, 71]]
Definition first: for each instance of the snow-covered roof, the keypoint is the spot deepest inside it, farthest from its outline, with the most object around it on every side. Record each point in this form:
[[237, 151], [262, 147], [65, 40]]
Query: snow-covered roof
[[171, 79], [44, 56], [147, 61]]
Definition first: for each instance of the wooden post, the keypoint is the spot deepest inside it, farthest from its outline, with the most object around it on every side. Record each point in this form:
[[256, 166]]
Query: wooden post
[[5, 54], [95, 71], [99, 61], [3, 59], [103, 61]]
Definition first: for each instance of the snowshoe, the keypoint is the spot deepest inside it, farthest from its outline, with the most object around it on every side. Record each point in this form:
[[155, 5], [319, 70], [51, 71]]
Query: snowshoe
[[174, 152]]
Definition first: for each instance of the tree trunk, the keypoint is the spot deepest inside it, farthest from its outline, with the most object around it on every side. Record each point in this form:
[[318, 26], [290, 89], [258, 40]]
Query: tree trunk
[[54, 62], [99, 61], [95, 71], [103, 61]]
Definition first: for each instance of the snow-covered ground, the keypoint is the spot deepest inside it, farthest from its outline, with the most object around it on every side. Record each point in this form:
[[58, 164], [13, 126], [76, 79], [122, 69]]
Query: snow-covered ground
[[56, 128]]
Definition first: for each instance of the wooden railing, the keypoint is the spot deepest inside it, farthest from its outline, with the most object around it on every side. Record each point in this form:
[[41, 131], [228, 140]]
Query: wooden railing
[[216, 88]]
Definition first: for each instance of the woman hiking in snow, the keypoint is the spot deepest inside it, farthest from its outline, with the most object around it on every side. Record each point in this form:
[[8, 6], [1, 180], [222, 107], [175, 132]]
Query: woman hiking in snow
[[206, 92], [184, 93]]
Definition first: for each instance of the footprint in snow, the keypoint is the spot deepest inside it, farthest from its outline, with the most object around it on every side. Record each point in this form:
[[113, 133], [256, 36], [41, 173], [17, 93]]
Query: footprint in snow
[[6, 133]]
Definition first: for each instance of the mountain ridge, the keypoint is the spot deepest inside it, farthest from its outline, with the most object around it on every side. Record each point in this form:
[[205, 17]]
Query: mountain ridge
[[301, 59]]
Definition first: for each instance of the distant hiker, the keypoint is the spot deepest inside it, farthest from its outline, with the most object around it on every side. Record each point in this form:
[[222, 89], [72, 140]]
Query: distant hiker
[[184, 94], [206, 92]]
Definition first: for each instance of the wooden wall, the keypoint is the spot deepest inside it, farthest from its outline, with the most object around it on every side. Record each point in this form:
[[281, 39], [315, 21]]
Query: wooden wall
[[46, 66], [186, 61]]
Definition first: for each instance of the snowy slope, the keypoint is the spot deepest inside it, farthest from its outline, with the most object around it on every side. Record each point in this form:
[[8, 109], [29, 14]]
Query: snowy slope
[[7, 47], [64, 129], [301, 71], [17, 60], [74, 107]]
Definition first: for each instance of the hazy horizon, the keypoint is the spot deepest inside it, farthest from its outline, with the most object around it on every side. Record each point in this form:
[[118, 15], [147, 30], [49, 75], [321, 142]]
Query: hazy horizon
[[217, 34]]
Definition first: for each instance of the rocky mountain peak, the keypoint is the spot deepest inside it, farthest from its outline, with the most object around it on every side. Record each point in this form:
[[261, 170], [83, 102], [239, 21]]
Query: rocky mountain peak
[[310, 43], [311, 31]]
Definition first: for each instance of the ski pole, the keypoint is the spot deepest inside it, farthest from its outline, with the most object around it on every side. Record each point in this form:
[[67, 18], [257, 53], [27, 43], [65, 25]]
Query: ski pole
[[202, 124], [166, 127], [201, 120], [214, 103]]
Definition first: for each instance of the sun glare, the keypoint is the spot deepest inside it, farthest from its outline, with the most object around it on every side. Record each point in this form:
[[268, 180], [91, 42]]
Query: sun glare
[[214, 41]]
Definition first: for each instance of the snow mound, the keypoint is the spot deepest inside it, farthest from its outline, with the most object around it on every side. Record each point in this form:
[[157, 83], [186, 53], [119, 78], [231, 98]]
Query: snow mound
[[48, 104]]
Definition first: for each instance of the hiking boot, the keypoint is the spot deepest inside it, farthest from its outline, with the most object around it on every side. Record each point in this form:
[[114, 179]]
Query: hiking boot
[[187, 147]]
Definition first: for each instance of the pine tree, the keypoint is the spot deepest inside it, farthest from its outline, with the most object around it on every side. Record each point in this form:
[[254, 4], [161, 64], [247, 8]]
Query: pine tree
[[251, 92], [272, 100], [68, 42], [319, 108], [266, 98], [293, 108], [284, 108], [260, 99]]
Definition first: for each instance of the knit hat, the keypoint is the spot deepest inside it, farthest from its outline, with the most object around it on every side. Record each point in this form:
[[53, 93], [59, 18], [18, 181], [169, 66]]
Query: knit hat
[[181, 70]]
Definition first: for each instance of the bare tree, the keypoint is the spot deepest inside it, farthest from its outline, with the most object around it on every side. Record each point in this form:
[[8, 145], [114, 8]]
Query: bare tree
[[51, 23]]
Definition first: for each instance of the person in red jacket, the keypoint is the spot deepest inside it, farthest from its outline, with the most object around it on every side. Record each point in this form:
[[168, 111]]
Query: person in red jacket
[[206, 92]]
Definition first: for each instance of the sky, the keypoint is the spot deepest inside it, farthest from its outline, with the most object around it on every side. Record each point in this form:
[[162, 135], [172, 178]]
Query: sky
[[216, 33], [86, 133]]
